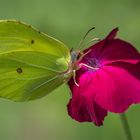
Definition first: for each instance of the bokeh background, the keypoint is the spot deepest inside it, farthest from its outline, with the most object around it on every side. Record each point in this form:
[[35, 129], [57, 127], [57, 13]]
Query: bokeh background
[[68, 20]]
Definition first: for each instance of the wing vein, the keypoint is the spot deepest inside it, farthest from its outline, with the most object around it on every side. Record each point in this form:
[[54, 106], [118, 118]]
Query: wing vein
[[37, 66], [42, 84]]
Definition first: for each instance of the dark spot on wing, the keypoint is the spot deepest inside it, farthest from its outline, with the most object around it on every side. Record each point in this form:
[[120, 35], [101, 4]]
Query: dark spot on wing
[[19, 70], [32, 41]]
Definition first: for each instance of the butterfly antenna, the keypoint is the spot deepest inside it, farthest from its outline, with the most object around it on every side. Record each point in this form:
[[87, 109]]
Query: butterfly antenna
[[82, 40]]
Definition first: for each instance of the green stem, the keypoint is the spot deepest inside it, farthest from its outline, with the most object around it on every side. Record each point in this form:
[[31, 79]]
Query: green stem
[[126, 126]]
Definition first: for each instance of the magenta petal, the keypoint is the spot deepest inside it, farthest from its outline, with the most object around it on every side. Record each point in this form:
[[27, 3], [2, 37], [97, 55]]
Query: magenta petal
[[112, 34], [82, 106], [112, 50], [99, 47], [116, 88], [119, 50], [84, 110]]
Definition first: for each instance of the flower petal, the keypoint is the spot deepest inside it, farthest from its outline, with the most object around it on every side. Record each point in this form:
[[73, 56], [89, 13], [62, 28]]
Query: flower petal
[[119, 50], [112, 34], [82, 106], [111, 50], [117, 87]]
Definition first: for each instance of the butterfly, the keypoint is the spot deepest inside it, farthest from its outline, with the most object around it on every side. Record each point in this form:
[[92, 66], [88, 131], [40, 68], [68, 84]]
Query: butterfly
[[32, 64]]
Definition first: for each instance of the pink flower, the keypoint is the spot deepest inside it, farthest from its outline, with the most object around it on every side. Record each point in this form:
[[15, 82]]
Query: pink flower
[[112, 85]]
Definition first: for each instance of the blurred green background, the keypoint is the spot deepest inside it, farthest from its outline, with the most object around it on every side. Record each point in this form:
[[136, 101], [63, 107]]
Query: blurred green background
[[68, 20]]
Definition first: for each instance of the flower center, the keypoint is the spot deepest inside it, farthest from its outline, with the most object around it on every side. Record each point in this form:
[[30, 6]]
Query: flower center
[[91, 63]]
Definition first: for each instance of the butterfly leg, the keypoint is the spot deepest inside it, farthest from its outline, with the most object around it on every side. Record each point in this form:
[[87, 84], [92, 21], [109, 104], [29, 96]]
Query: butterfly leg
[[85, 65], [82, 55], [74, 78]]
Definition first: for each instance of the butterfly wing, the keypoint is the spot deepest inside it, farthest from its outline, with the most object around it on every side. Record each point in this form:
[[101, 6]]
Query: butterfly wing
[[31, 63]]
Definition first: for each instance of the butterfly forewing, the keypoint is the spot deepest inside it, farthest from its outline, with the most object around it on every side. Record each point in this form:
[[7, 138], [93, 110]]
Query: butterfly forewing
[[31, 63]]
